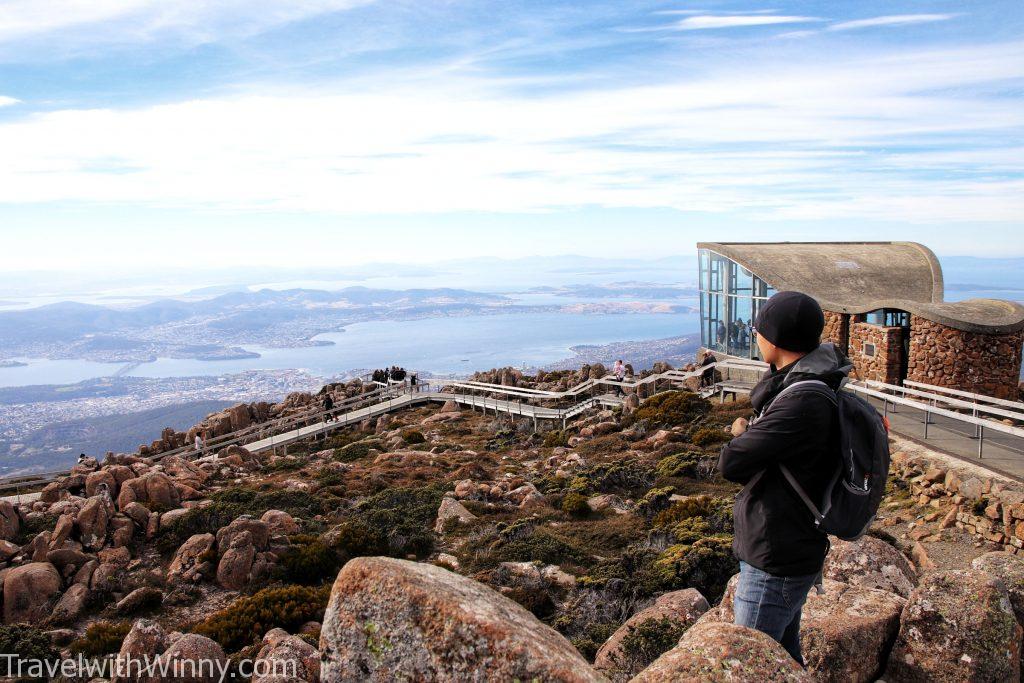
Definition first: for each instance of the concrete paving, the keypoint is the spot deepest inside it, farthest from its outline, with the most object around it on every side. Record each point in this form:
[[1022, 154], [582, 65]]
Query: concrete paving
[[1003, 453]]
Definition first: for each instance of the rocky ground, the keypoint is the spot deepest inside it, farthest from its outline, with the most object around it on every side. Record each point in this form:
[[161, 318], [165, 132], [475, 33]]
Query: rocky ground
[[442, 544]]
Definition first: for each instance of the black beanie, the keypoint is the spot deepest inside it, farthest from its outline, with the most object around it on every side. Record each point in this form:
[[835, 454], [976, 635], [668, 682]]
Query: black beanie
[[792, 321]]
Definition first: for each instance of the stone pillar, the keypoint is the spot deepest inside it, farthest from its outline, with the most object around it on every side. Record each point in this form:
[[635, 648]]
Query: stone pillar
[[837, 330], [886, 363], [986, 364]]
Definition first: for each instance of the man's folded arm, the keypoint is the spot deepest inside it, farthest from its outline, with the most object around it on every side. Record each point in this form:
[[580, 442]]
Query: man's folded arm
[[768, 441]]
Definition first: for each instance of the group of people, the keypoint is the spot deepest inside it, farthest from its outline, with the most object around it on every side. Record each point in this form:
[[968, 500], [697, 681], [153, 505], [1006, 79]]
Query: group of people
[[392, 374], [738, 333]]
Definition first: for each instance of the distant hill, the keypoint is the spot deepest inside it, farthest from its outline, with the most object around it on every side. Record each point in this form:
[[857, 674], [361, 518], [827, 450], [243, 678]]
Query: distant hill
[[59, 444]]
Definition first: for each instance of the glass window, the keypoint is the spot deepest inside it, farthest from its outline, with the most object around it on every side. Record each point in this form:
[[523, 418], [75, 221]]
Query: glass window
[[740, 319], [717, 265], [742, 281]]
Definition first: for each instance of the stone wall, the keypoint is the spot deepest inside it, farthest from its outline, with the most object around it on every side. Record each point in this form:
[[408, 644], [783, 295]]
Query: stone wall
[[982, 363], [886, 364], [837, 330], [988, 506]]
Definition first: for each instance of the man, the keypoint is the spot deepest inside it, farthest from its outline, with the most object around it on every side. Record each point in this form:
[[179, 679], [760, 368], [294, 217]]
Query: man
[[328, 407], [780, 549], [619, 370], [707, 378]]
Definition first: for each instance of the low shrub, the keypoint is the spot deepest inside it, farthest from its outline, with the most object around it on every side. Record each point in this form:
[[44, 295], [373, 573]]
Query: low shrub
[[624, 476], [403, 517], [101, 639], [707, 564], [28, 643], [709, 436], [556, 438], [542, 545], [684, 464], [695, 517], [33, 526], [575, 505], [670, 409], [308, 562], [594, 636], [356, 451], [413, 436], [654, 501], [244, 621]]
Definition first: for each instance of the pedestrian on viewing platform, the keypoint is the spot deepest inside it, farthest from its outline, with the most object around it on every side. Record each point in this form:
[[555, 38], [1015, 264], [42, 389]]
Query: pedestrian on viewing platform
[[780, 547], [201, 442], [619, 370], [328, 407]]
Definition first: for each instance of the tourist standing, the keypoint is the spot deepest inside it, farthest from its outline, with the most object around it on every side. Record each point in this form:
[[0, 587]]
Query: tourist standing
[[328, 407], [201, 443], [619, 370], [780, 548]]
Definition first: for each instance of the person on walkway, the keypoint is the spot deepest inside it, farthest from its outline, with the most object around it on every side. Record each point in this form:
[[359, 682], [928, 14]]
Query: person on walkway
[[707, 378], [619, 370], [328, 407], [780, 549], [200, 443]]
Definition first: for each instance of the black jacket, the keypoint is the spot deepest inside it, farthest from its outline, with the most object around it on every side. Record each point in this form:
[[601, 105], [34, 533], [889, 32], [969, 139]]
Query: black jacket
[[774, 530]]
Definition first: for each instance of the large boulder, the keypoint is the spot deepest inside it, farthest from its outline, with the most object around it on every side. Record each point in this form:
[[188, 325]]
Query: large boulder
[[10, 523], [280, 522], [1009, 568], [451, 509], [393, 619], [872, 563], [161, 492], [104, 476], [846, 632], [198, 658], [193, 559], [29, 591], [71, 605], [285, 653], [92, 523], [144, 642], [679, 609], [716, 651], [258, 530], [236, 562], [957, 626]]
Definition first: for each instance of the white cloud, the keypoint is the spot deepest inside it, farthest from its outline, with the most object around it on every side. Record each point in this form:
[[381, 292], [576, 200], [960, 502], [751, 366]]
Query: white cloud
[[890, 20], [773, 140], [8, 101], [714, 21], [125, 21]]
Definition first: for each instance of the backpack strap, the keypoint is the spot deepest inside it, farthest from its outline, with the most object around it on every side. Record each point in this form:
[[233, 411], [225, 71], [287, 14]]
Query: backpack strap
[[817, 386]]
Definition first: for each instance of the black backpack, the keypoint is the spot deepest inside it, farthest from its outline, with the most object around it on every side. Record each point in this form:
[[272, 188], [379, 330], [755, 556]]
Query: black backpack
[[855, 491]]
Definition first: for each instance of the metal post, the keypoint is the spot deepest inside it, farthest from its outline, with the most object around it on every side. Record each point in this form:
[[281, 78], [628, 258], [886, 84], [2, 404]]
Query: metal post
[[927, 421], [981, 440], [976, 426]]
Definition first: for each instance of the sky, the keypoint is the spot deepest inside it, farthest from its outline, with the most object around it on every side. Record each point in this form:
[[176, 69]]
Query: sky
[[259, 133]]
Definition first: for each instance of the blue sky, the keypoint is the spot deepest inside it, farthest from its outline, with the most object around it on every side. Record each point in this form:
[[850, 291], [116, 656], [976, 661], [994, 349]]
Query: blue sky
[[315, 132]]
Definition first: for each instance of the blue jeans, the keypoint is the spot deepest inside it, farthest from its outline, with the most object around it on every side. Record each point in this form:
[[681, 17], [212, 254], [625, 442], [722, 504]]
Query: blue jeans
[[772, 604]]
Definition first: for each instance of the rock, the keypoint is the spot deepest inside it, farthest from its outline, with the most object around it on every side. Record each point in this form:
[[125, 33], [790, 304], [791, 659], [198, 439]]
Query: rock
[[605, 501], [1010, 569], [94, 479], [280, 522], [92, 523], [259, 532], [714, 651], [681, 607], [631, 403], [920, 556], [846, 632], [450, 407], [284, 653], [71, 605], [161, 492], [971, 489], [392, 619], [872, 563], [146, 639], [957, 626], [167, 519], [8, 550], [28, 592], [139, 599], [236, 563], [192, 559], [10, 523], [451, 509], [199, 650]]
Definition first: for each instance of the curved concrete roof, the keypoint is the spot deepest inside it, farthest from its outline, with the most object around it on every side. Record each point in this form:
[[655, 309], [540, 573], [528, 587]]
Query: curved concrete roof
[[858, 277]]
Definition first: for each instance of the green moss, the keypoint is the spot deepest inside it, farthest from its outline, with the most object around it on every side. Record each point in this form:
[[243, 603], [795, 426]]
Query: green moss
[[244, 621], [541, 545], [707, 564], [101, 639], [625, 477], [356, 451], [308, 562], [403, 518], [556, 438], [594, 636], [647, 641], [654, 501]]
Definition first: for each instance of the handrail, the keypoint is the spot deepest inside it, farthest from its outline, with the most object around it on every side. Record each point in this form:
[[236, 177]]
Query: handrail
[[975, 407], [980, 398]]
